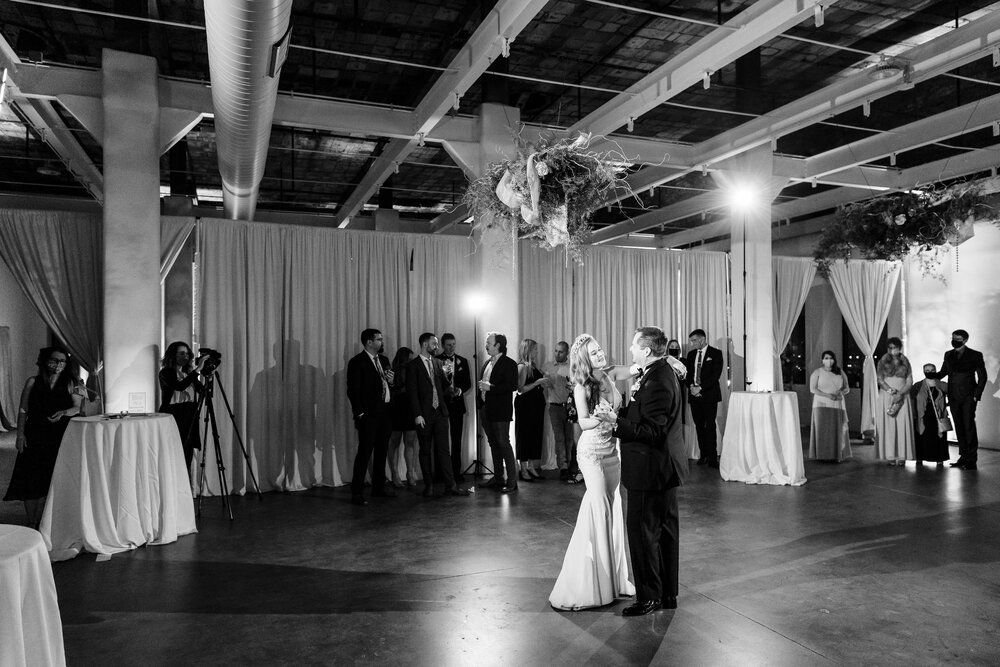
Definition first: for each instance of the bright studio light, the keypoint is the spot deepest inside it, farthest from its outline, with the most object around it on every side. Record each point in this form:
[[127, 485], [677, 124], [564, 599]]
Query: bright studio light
[[476, 302], [743, 198]]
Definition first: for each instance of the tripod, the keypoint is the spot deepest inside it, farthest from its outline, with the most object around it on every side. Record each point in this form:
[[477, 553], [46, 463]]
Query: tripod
[[211, 380], [477, 464]]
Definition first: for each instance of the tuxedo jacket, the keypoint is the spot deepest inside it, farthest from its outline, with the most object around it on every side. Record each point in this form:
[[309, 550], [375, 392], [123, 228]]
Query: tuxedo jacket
[[966, 374], [364, 384], [651, 432], [462, 382], [712, 365], [420, 389], [498, 404]]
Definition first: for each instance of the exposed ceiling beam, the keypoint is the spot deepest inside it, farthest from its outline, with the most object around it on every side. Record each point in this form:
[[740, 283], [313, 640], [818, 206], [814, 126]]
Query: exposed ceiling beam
[[746, 31], [661, 216], [954, 122], [493, 36], [446, 221]]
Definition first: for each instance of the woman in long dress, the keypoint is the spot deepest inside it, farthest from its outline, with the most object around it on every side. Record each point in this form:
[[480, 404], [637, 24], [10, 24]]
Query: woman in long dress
[[829, 438], [929, 405], [894, 411], [595, 568]]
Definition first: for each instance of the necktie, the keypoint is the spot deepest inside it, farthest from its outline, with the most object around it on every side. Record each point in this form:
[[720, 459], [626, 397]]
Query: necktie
[[385, 385], [697, 368], [434, 391]]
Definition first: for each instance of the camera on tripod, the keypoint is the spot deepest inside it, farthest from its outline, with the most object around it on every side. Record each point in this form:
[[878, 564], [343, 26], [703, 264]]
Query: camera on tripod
[[213, 359]]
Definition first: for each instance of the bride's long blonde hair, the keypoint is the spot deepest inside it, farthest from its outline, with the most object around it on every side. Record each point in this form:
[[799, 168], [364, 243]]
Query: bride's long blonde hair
[[582, 371]]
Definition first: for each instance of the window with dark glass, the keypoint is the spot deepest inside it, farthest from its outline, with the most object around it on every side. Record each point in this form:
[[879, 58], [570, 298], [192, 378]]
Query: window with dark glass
[[793, 359]]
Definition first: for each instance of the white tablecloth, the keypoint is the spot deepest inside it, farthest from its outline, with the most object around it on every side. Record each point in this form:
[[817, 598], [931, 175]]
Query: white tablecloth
[[30, 627], [117, 484], [763, 443]]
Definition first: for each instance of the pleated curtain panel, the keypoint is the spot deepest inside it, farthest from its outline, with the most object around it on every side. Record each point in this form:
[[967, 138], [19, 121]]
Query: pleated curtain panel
[[864, 291], [793, 278]]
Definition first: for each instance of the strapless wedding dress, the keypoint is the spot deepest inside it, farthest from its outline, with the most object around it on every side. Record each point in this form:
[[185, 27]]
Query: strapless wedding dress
[[595, 568]]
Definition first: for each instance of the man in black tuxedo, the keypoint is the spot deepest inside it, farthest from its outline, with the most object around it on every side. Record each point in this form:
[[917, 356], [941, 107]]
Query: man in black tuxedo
[[496, 391], [654, 464], [425, 385], [966, 373], [368, 378], [704, 368], [457, 373]]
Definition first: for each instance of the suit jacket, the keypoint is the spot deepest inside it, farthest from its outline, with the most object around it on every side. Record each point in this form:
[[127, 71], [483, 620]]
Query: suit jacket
[[497, 404], [919, 395], [966, 374], [651, 432], [462, 381], [712, 365], [420, 389], [364, 384]]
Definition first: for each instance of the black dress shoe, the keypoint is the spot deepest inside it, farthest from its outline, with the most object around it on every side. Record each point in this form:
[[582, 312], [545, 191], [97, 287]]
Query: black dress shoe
[[969, 466], [958, 464], [492, 483], [456, 491], [669, 603], [702, 460], [384, 493], [358, 500], [508, 488], [641, 608]]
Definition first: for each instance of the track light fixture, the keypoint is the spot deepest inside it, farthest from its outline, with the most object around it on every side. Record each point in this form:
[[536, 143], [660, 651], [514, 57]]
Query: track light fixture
[[630, 125], [818, 15]]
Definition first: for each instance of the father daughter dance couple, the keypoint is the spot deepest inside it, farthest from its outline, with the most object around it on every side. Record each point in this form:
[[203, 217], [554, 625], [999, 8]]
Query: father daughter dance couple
[[653, 464]]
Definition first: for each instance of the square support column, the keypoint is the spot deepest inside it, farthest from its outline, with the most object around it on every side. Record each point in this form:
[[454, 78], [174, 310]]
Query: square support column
[[131, 230]]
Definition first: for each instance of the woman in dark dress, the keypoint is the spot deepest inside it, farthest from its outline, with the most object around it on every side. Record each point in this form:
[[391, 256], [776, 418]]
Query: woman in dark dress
[[529, 411], [404, 430], [48, 401], [928, 405], [179, 392]]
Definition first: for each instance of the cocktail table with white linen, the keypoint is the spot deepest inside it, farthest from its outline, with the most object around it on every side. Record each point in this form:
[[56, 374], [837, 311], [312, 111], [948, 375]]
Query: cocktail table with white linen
[[763, 443], [119, 483]]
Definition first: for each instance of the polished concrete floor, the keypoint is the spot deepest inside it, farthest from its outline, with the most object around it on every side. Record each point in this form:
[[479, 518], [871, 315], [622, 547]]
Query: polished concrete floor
[[865, 564]]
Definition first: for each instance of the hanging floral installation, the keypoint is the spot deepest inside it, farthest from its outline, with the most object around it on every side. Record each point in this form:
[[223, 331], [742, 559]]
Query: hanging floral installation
[[893, 226], [547, 192]]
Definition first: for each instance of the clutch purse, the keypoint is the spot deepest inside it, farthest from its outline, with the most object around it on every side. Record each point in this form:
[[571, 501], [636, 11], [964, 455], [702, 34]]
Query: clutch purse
[[894, 408], [944, 424]]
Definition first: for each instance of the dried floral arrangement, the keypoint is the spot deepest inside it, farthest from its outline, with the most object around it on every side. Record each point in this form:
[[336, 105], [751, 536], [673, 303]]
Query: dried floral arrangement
[[547, 192], [893, 226]]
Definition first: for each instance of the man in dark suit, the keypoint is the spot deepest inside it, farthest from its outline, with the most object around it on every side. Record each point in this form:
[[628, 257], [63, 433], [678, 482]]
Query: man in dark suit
[[425, 385], [496, 391], [459, 377], [966, 373], [654, 464], [704, 368], [368, 378]]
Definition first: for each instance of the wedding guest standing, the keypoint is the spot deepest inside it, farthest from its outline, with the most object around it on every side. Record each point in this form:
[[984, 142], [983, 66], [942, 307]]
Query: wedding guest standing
[[557, 393], [456, 372], [404, 430], [929, 409], [705, 365], [829, 437], [368, 378], [496, 386], [893, 411], [48, 401], [180, 387], [687, 421], [529, 411], [966, 373]]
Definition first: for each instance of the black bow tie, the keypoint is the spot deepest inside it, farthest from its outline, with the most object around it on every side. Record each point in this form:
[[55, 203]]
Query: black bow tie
[[641, 371]]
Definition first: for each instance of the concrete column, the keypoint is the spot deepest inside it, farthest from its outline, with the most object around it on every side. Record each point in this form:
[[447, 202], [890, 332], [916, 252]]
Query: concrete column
[[131, 231], [752, 290], [497, 251]]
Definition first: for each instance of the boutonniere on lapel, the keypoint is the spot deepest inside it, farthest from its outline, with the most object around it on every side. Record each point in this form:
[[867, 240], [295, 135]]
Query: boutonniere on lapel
[[636, 385]]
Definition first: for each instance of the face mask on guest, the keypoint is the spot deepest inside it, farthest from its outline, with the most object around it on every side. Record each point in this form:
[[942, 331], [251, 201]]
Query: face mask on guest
[[674, 351], [931, 376], [957, 344]]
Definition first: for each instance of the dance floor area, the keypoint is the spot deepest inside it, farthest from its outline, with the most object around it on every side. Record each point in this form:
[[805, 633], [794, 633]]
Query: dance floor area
[[864, 564]]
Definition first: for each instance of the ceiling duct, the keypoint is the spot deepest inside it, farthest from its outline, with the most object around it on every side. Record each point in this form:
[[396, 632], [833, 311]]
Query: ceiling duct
[[247, 41]]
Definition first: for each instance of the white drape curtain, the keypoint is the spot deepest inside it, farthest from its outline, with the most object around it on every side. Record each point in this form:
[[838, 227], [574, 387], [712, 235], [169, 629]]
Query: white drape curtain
[[616, 290], [793, 277], [8, 404], [286, 306], [864, 291], [56, 259], [174, 233]]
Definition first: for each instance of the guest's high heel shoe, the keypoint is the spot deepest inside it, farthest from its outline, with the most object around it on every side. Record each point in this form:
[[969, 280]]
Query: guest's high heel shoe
[[535, 475], [524, 477]]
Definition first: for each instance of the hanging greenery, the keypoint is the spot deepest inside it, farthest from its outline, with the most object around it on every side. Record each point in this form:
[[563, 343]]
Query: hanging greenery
[[893, 226], [547, 192]]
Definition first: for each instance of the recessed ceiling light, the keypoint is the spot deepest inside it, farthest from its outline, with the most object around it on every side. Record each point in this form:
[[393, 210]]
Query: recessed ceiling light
[[48, 170]]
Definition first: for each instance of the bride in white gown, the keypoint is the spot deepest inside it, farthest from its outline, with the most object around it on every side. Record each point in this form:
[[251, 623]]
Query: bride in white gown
[[595, 568]]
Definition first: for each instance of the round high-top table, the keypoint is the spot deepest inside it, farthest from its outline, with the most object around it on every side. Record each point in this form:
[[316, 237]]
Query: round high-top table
[[763, 443], [30, 627], [118, 484]]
